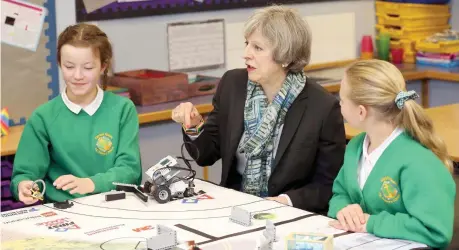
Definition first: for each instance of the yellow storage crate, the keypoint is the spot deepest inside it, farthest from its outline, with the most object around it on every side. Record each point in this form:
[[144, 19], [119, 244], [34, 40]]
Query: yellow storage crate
[[447, 42], [405, 44], [447, 47], [409, 57], [411, 9], [413, 21], [399, 32]]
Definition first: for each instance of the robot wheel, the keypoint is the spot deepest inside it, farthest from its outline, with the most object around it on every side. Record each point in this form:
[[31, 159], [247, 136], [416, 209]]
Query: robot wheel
[[162, 194], [147, 187]]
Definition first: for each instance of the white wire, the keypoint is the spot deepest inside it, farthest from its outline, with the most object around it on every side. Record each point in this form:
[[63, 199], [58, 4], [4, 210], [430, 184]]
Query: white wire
[[44, 186]]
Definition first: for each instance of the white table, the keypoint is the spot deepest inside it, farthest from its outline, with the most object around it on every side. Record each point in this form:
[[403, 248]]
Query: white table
[[93, 223]]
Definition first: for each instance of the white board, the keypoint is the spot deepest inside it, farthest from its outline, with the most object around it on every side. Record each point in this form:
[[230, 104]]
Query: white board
[[333, 39], [196, 45]]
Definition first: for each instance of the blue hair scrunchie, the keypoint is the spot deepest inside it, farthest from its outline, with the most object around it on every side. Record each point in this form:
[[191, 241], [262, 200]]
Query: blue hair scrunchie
[[403, 96]]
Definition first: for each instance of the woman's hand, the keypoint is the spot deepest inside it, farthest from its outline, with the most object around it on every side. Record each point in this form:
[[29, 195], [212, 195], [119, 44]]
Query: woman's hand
[[280, 199], [186, 114]]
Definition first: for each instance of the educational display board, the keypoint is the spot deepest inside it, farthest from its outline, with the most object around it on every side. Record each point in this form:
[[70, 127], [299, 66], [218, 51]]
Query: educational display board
[[29, 70], [90, 10], [22, 24], [94, 223]]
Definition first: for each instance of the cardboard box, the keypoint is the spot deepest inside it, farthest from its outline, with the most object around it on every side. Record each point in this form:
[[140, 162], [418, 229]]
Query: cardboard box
[[148, 87]]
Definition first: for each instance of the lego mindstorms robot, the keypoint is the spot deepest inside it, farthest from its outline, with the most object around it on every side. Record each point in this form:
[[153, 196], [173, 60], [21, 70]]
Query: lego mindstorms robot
[[169, 181]]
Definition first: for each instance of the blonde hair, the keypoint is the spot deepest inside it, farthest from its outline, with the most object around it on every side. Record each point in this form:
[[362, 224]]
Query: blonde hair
[[286, 31], [376, 84]]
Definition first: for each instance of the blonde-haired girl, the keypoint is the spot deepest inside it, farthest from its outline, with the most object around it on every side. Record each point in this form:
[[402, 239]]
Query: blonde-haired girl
[[396, 178]]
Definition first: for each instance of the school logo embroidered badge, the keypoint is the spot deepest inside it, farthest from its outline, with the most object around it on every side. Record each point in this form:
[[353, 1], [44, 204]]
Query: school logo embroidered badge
[[389, 191], [104, 143]]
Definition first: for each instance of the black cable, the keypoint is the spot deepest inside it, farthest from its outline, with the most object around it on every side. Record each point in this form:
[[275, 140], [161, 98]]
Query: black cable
[[187, 161], [192, 172], [195, 147]]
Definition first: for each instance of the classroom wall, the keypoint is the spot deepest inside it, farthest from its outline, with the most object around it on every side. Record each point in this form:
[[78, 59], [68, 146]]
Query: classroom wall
[[65, 16], [455, 14]]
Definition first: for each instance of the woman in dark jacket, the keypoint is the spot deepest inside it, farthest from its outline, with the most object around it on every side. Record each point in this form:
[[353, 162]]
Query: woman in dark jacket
[[279, 134]]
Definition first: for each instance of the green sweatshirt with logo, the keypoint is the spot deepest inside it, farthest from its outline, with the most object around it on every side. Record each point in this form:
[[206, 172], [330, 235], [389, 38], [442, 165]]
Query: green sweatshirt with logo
[[409, 194], [103, 147]]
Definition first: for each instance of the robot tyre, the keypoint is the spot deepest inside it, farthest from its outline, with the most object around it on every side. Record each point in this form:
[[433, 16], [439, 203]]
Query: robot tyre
[[162, 194]]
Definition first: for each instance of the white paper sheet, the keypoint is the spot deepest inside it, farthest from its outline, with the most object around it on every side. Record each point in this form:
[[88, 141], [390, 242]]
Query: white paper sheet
[[361, 241], [124, 224]]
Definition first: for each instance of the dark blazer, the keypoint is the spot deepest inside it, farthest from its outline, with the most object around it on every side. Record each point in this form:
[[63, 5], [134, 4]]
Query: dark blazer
[[310, 151]]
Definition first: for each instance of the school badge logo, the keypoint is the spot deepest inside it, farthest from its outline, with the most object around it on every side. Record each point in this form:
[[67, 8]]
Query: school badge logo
[[389, 191], [104, 143]]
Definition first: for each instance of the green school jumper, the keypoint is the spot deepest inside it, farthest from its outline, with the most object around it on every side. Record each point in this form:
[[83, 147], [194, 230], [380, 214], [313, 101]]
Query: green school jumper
[[409, 194], [103, 147]]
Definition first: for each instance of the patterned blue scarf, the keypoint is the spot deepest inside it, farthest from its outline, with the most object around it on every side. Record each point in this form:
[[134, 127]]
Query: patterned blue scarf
[[262, 122]]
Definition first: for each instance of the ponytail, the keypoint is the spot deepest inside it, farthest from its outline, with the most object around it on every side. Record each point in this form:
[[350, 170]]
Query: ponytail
[[416, 122]]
